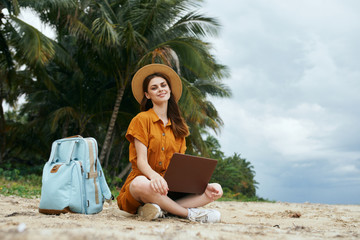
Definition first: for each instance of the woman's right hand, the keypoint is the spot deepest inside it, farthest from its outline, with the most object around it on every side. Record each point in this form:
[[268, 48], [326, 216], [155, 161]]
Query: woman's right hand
[[158, 184]]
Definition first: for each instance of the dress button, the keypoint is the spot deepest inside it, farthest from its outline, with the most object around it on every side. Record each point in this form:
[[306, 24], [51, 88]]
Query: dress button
[[162, 148], [163, 134], [160, 163]]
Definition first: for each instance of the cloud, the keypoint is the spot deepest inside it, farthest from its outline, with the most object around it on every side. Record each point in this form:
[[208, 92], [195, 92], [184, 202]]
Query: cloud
[[295, 73]]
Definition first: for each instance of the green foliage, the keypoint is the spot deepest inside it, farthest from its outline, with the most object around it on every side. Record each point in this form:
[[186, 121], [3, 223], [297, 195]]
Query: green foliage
[[13, 183], [236, 175], [237, 196], [79, 83]]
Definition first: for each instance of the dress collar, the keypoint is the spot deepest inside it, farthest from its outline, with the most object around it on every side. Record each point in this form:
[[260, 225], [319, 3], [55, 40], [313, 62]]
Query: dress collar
[[155, 117]]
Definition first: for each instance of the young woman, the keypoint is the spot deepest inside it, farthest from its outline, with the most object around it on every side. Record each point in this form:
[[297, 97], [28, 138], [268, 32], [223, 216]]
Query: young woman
[[155, 134]]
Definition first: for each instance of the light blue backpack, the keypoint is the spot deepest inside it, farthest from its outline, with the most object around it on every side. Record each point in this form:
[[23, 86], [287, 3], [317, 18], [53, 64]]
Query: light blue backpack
[[73, 180]]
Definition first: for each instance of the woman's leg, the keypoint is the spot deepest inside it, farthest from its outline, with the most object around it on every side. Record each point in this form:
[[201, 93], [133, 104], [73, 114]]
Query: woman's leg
[[212, 193], [140, 189]]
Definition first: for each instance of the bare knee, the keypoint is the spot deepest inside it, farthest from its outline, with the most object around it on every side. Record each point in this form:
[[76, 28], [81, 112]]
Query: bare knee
[[140, 189]]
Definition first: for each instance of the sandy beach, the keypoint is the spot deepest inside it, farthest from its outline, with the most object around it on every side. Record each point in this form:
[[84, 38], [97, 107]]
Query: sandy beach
[[20, 219]]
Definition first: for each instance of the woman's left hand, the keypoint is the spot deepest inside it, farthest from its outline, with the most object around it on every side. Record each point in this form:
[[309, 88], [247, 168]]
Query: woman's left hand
[[214, 191]]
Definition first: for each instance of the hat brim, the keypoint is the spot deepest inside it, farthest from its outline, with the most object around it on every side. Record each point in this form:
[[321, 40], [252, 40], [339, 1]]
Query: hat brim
[[142, 73]]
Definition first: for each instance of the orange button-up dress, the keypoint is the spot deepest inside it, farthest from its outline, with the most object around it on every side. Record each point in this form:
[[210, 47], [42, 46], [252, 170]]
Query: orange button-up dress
[[161, 144]]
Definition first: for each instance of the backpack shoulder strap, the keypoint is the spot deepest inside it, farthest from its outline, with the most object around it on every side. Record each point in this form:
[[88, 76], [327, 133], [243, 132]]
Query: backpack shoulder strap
[[103, 184]]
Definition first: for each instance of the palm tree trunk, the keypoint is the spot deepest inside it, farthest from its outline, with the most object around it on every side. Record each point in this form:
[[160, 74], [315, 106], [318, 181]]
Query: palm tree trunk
[[106, 145], [108, 153], [2, 131], [125, 171], [65, 128], [2, 122], [118, 157]]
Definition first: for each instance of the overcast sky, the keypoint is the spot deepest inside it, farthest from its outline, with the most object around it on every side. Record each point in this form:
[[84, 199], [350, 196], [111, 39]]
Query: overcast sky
[[295, 77]]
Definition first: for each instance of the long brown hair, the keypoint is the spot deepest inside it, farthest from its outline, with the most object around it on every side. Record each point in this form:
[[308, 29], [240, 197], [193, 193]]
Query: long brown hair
[[178, 124]]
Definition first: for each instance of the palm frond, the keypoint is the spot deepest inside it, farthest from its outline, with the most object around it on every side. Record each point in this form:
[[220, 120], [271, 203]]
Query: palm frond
[[213, 88], [65, 60], [64, 112], [107, 12], [191, 54], [7, 56], [194, 24], [50, 5], [34, 46], [79, 29], [196, 109], [105, 32], [132, 40], [33, 49]]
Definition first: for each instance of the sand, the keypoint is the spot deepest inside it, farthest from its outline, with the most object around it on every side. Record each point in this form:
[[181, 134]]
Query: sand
[[20, 219]]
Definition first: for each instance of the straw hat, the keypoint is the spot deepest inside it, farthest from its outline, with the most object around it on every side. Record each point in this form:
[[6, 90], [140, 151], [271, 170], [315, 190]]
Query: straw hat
[[142, 73]]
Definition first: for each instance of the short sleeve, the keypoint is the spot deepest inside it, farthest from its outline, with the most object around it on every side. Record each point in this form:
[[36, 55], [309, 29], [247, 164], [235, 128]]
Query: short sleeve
[[138, 129], [183, 146]]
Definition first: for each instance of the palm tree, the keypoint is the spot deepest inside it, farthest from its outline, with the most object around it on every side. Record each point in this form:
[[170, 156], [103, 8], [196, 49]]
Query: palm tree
[[117, 37], [20, 45], [240, 175], [158, 31]]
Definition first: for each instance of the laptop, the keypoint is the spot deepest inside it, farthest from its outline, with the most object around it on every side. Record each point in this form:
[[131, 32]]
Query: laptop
[[189, 174]]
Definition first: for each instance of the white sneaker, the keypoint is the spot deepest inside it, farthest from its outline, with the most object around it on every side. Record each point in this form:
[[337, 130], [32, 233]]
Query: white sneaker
[[150, 211], [203, 215]]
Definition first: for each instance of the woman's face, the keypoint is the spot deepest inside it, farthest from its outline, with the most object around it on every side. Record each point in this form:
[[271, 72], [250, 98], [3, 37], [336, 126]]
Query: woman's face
[[158, 90]]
